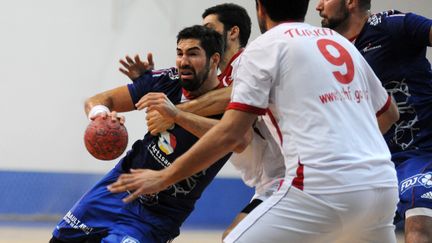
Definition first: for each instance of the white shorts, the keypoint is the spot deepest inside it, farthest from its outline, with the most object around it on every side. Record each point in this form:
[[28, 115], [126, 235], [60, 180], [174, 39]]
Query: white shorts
[[291, 215], [268, 189]]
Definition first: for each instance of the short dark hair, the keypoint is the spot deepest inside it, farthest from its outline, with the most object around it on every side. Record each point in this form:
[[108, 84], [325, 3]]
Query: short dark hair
[[210, 40], [230, 15], [365, 4], [282, 10]]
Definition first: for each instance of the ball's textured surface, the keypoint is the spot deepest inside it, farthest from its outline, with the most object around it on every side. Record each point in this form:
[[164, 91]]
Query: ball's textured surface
[[105, 139]]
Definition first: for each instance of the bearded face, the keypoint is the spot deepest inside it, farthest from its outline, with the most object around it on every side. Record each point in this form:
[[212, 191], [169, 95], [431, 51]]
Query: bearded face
[[192, 63], [334, 13], [192, 79]]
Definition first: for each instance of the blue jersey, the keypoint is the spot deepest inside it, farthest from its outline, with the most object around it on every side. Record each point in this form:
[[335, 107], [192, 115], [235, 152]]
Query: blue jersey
[[100, 214], [158, 152], [394, 44]]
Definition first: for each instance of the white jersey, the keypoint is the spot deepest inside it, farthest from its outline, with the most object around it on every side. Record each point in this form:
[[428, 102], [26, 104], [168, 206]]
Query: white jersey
[[325, 99], [261, 164]]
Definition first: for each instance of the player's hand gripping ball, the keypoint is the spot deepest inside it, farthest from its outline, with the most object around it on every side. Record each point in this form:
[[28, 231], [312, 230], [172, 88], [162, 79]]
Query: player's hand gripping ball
[[105, 139]]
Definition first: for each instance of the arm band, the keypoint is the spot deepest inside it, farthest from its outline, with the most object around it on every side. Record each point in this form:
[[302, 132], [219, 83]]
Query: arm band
[[97, 109]]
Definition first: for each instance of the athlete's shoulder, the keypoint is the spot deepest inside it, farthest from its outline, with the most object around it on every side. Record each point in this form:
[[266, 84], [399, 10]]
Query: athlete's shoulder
[[408, 28], [384, 16], [163, 80]]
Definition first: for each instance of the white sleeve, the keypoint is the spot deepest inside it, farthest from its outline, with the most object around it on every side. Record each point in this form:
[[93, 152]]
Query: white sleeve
[[253, 76]]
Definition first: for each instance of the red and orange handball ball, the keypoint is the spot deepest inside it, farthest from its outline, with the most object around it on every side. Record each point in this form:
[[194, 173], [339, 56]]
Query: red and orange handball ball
[[105, 139]]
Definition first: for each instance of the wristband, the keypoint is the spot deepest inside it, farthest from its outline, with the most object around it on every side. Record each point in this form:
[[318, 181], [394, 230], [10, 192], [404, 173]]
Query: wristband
[[97, 109]]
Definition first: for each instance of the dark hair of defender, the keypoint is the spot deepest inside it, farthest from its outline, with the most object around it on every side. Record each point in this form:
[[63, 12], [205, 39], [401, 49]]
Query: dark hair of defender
[[231, 15]]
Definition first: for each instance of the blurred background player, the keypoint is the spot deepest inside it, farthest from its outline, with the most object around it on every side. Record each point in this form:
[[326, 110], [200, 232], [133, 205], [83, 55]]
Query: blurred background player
[[394, 44], [335, 156], [261, 164], [102, 215]]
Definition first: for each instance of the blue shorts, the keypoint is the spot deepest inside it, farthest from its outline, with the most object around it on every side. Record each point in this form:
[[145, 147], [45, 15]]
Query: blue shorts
[[100, 214], [414, 171]]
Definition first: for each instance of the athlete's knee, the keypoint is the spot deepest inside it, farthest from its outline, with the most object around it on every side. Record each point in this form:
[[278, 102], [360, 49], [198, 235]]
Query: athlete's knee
[[418, 229], [225, 233]]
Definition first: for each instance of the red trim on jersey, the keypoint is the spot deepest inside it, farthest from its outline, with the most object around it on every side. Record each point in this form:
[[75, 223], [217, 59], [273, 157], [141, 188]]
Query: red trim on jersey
[[225, 76], [298, 181], [246, 108], [187, 94], [280, 184], [275, 124], [385, 107]]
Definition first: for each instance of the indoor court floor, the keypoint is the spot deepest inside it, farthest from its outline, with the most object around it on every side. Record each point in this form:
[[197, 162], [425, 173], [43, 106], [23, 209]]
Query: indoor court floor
[[41, 234]]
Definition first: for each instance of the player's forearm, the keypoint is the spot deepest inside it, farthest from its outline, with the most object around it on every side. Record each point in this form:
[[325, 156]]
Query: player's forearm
[[388, 118], [117, 99], [211, 103], [201, 156], [223, 138], [197, 125]]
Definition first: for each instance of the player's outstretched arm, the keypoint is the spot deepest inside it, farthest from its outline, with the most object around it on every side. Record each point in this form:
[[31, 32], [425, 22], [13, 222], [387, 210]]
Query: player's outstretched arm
[[117, 99], [211, 103], [220, 140], [159, 102], [389, 117], [134, 68], [159, 107]]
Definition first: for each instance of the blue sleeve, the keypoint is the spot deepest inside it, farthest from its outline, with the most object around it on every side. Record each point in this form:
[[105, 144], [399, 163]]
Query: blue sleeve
[[141, 86], [411, 28]]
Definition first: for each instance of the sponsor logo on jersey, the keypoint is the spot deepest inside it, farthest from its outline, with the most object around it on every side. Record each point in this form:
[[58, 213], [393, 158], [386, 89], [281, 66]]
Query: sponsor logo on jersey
[[75, 223], [375, 19], [167, 142], [128, 239], [427, 195], [158, 155], [369, 48], [424, 180]]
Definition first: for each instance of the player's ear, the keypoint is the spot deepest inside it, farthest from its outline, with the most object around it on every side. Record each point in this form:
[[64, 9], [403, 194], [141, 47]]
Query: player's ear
[[215, 60], [234, 33], [351, 4]]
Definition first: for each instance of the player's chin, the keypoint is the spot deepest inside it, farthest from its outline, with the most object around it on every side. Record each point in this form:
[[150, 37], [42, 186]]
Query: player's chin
[[325, 23]]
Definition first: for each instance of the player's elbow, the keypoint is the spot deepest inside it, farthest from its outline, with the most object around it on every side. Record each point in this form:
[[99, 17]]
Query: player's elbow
[[393, 112], [243, 142], [233, 141]]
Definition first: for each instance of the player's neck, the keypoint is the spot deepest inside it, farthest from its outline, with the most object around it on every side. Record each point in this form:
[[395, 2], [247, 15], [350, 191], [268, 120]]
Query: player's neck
[[211, 83], [352, 27], [232, 49], [270, 23]]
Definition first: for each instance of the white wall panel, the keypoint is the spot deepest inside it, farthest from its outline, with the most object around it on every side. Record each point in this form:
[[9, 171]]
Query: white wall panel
[[55, 53]]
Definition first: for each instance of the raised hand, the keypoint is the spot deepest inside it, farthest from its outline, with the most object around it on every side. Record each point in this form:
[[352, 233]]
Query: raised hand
[[134, 68]]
